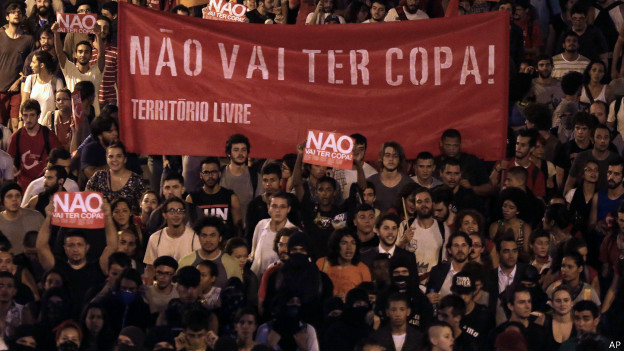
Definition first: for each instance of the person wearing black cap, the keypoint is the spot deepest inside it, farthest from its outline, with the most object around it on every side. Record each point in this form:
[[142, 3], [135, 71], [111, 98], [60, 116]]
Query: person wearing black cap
[[130, 339], [475, 321], [23, 339], [404, 282], [298, 276], [188, 279]]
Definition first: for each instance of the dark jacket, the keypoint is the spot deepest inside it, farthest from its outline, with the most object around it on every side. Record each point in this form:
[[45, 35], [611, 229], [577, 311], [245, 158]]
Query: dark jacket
[[437, 275], [413, 338], [369, 256]]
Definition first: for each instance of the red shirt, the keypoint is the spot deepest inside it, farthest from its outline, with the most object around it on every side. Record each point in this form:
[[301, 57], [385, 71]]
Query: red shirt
[[107, 93], [33, 155], [536, 181]]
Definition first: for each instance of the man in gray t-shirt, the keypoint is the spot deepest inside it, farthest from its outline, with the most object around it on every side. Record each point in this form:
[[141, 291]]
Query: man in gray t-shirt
[[14, 220], [389, 182]]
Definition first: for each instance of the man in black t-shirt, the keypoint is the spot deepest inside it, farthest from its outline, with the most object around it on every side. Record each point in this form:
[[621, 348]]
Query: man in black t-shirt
[[263, 13], [474, 174], [77, 271], [474, 322], [216, 200]]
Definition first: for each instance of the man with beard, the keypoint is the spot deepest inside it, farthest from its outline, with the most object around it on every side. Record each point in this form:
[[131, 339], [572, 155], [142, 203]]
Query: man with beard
[[408, 12], [58, 157], [46, 43], [463, 198], [30, 145], [80, 274], [387, 230], [378, 11], [545, 89], [104, 130], [176, 239], [324, 9], [475, 176], [599, 153], [216, 200], [604, 202], [210, 233], [243, 180], [42, 15], [54, 178], [569, 60], [441, 276], [280, 246], [426, 236], [389, 182], [15, 45], [81, 71], [262, 252], [525, 144], [506, 274], [443, 210]]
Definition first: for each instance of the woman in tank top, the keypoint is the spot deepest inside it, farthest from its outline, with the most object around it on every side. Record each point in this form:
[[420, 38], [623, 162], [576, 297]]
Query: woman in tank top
[[595, 84]]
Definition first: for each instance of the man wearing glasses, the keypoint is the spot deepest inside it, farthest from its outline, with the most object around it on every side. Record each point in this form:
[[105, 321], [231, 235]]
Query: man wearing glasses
[[175, 239], [216, 200]]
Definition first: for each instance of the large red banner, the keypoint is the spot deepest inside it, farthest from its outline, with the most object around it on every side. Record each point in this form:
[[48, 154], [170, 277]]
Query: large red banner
[[186, 84]]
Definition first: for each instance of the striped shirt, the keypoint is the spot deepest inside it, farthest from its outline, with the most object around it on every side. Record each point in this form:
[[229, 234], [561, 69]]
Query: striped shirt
[[107, 93], [561, 66]]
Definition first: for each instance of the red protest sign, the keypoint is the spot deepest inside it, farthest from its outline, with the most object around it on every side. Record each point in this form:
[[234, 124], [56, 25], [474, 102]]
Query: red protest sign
[[76, 23], [77, 109], [329, 149], [212, 79], [223, 10], [78, 210]]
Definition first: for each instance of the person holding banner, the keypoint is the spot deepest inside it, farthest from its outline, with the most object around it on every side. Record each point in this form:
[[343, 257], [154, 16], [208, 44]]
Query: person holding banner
[[118, 181], [79, 273], [79, 71]]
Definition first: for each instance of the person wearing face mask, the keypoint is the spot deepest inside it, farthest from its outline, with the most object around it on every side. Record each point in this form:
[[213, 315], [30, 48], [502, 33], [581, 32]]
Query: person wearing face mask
[[299, 276], [353, 325], [287, 331], [56, 307], [68, 336], [130, 339], [23, 339], [125, 305], [332, 310], [402, 281]]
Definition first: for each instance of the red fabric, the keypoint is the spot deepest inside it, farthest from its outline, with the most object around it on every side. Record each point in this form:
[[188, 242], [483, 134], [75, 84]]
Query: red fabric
[[537, 185], [281, 108], [9, 106], [32, 164]]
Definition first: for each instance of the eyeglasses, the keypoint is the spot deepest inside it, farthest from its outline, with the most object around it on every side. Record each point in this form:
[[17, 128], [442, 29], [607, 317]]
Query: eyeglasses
[[212, 173], [176, 211]]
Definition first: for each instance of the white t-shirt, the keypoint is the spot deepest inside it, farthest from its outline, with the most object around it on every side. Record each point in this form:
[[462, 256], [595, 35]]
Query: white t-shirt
[[43, 93], [36, 187], [426, 245], [262, 246], [393, 16], [6, 166], [399, 340], [73, 76], [161, 244]]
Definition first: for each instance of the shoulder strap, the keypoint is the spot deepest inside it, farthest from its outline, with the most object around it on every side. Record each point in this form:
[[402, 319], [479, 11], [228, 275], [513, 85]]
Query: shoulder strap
[[443, 234], [54, 120], [401, 13], [535, 173], [18, 158], [46, 142], [53, 82], [33, 80], [588, 93], [253, 175]]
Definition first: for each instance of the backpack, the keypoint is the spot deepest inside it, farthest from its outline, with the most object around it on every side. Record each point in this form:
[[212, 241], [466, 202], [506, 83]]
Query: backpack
[[401, 13], [604, 22], [46, 145], [442, 233]]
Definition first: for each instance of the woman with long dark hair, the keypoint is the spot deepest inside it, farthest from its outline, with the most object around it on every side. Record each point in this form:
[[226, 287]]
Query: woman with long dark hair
[[342, 263]]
